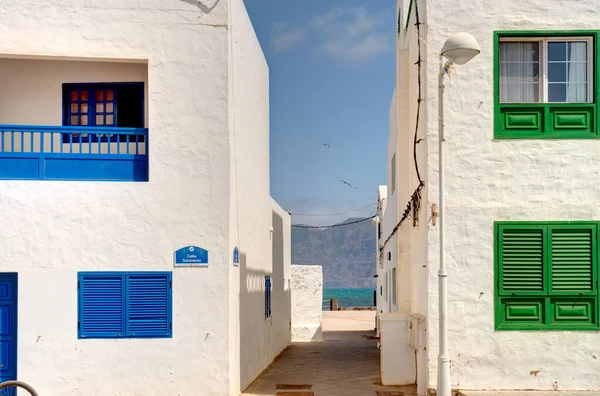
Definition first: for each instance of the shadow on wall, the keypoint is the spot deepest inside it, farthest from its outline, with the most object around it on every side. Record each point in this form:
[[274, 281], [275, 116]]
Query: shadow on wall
[[261, 339], [203, 7], [284, 300], [317, 336]]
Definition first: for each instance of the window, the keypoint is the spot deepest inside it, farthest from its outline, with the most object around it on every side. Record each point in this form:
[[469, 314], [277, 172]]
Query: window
[[553, 70], [546, 276], [393, 172], [267, 297], [544, 85], [103, 105], [386, 286], [124, 304], [394, 287]]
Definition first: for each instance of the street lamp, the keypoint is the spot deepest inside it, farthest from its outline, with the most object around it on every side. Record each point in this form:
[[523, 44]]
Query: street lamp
[[458, 49]]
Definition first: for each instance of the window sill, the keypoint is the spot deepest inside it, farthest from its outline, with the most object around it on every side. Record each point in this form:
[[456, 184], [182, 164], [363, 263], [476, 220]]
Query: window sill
[[548, 328], [124, 337], [544, 136]]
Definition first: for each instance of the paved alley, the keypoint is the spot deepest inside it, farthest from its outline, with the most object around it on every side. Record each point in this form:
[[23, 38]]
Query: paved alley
[[345, 363]]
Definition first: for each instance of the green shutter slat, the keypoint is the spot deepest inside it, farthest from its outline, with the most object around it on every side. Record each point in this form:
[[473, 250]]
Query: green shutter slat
[[571, 255], [522, 260]]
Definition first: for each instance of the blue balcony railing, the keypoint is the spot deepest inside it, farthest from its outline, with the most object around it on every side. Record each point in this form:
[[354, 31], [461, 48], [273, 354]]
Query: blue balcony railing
[[73, 153]]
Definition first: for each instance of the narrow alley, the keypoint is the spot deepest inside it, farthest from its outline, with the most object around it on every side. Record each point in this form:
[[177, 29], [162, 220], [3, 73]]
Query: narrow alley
[[345, 363]]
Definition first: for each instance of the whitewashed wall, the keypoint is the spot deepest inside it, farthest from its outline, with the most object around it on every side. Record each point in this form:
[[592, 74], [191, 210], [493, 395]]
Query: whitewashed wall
[[411, 238], [382, 202], [259, 227], [51, 230], [409, 244], [389, 254], [31, 89], [307, 303], [489, 180]]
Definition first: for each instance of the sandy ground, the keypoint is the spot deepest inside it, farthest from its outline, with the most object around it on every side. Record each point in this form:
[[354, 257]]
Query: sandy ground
[[348, 320]]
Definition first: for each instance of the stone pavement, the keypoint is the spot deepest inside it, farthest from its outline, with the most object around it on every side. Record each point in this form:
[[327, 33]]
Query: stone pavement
[[345, 363]]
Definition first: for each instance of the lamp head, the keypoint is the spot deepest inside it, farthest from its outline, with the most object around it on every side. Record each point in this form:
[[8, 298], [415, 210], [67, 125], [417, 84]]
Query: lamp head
[[460, 48]]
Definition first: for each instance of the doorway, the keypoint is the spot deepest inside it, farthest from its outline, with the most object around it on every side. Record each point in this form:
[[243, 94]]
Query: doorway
[[8, 327]]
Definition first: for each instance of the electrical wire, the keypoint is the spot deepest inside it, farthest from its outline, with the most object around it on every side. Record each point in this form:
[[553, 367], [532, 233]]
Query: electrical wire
[[373, 214], [333, 214], [419, 98], [410, 207], [334, 225], [413, 206]]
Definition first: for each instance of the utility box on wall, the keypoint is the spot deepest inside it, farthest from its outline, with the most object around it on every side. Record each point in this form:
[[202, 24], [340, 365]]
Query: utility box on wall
[[397, 356]]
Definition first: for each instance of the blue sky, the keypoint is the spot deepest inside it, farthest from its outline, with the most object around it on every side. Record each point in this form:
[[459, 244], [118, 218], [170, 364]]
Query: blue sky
[[332, 69]]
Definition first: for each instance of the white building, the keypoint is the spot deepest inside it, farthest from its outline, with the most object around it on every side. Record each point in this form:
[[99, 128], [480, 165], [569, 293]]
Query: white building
[[521, 126], [384, 302], [130, 130]]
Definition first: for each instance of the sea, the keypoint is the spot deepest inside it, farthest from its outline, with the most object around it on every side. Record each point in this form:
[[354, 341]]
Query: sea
[[348, 297]]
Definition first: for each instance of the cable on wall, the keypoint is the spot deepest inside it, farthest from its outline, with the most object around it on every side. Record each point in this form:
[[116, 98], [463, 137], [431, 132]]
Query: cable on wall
[[419, 62], [413, 205]]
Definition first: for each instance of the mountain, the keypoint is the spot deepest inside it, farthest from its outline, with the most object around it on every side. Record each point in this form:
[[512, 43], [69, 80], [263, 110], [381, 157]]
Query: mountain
[[347, 253]]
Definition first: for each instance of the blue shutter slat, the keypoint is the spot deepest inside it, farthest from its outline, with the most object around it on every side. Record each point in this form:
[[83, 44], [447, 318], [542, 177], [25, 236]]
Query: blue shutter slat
[[148, 299], [101, 305], [267, 296]]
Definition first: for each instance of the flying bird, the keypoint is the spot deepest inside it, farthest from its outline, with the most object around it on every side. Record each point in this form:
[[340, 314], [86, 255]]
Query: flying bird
[[348, 184]]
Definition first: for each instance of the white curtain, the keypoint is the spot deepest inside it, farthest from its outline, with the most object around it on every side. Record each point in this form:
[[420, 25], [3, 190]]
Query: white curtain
[[519, 72], [577, 74]]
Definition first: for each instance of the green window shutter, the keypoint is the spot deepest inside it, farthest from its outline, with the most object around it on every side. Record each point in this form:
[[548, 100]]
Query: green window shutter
[[573, 258], [546, 276], [521, 259]]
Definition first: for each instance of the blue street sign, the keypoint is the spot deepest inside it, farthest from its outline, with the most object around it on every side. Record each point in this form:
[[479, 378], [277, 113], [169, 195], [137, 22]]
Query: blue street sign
[[191, 255], [236, 256]]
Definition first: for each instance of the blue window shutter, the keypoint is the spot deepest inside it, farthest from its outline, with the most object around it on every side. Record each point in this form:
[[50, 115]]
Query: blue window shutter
[[267, 296], [101, 304], [148, 304]]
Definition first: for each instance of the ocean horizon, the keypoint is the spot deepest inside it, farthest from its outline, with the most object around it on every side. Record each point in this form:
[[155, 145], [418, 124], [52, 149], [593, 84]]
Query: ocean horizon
[[348, 297]]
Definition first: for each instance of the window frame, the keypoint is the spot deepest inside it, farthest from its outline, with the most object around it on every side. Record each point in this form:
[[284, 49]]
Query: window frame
[[90, 137], [393, 173], [547, 297], [548, 120], [394, 286], [386, 287], [543, 64], [268, 297], [81, 334]]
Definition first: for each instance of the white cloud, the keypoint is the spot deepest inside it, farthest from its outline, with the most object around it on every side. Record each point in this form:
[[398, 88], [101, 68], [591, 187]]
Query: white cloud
[[349, 33], [361, 49], [353, 33], [285, 37]]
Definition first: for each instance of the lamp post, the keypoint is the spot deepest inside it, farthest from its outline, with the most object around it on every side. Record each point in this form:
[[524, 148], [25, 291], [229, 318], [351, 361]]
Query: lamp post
[[458, 49]]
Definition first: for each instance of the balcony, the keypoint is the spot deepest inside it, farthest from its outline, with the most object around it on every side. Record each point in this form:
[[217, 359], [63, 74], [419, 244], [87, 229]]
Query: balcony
[[74, 119], [73, 153]]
